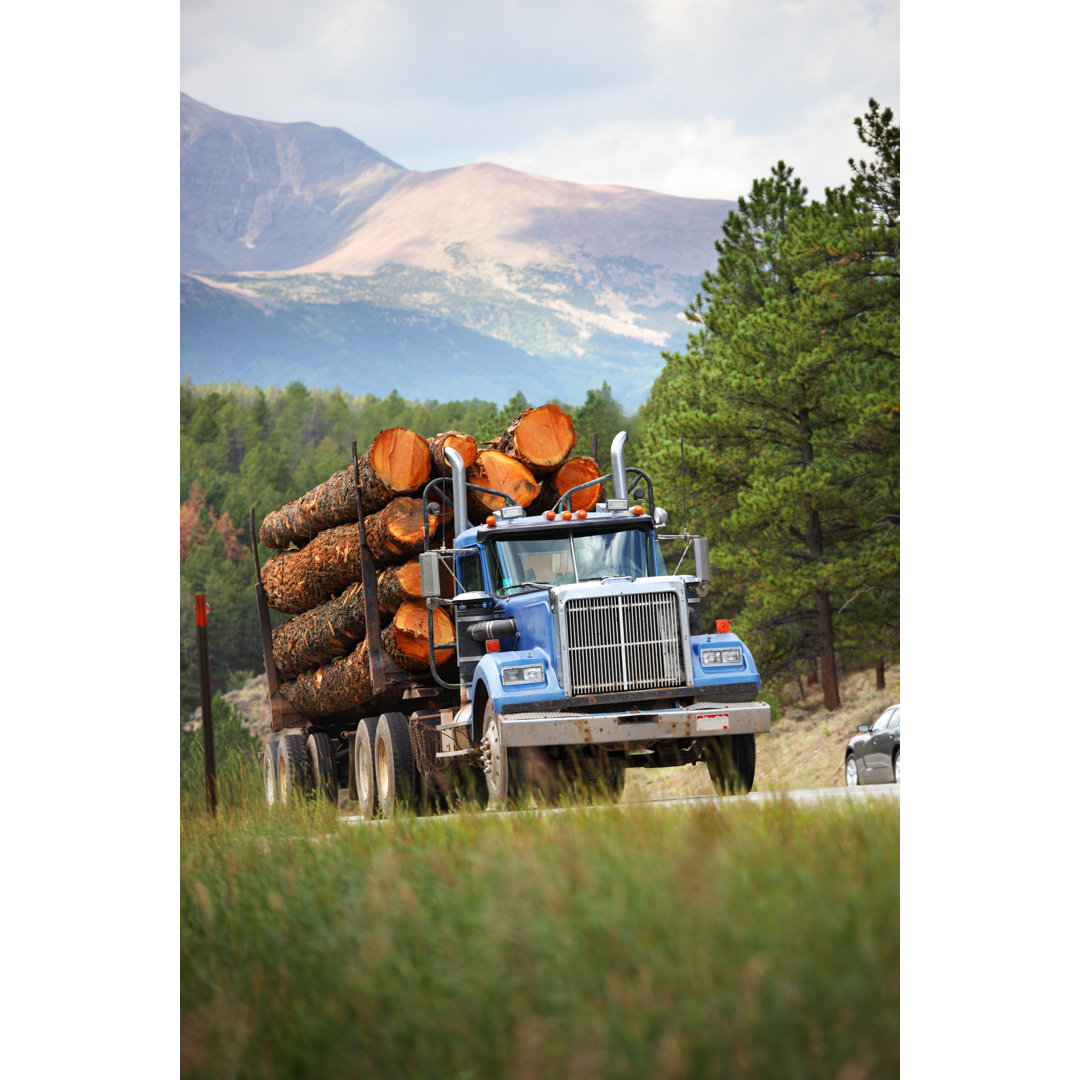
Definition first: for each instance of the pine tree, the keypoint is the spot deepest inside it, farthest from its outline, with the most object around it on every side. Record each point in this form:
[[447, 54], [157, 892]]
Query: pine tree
[[787, 402]]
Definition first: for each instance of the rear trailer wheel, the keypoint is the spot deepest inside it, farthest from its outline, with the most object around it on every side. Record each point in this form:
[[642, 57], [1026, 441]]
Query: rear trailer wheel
[[364, 766], [270, 772], [395, 772], [851, 771], [321, 762], [732, 760], [294, 773]]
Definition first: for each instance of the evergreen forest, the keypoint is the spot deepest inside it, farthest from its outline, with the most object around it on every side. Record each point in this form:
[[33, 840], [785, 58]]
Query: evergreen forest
[[775, 434]]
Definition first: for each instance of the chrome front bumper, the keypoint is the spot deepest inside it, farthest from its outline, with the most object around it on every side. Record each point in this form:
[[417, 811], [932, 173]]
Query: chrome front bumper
[[580, 729]]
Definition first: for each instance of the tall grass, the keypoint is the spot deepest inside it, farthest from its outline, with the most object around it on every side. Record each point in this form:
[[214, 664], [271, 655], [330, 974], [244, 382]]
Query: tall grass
[[238, 769], [746, 942]]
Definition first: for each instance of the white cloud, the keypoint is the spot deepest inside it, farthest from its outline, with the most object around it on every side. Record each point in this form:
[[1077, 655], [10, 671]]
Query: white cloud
[[689, 96]]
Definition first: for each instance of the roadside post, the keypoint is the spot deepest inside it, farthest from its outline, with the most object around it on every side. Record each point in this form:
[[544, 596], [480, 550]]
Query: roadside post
[[209, 764]]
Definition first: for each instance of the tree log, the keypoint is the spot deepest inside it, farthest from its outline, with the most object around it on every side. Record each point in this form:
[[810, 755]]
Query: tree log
[[541, 439], [334, 687], [314, 637], [346, 683], [398, 462], [333, 629], [297, 581], [465, 445], [494, 469], [576, 471], [397, 584], [405, 640]]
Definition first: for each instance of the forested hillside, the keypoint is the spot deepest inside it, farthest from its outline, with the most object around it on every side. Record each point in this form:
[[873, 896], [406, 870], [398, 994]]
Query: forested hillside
[[779, 425]]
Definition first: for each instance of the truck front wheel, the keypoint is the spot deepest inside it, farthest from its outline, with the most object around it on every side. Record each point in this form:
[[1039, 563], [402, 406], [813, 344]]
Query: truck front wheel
[[731, 760], [500, 767]]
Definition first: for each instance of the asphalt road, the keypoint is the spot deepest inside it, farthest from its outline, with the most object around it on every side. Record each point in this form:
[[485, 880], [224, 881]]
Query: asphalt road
[[806, 797]]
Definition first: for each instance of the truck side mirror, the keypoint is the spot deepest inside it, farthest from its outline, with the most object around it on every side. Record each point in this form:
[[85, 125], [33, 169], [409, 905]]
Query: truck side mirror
[[701, 560], [430, 587]]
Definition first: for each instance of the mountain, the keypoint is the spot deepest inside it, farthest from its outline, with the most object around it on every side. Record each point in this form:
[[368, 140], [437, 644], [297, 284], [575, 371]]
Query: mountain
[[308, 255]]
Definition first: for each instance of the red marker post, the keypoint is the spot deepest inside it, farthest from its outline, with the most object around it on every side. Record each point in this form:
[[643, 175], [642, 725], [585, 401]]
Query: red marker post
[[209, 764]]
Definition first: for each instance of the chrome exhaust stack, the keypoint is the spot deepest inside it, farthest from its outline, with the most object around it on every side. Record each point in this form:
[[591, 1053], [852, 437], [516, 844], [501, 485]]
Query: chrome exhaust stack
[[457, 473], [621, 498]]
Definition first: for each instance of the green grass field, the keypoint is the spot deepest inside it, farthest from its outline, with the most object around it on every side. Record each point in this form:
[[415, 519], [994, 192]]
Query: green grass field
[[749, 941]]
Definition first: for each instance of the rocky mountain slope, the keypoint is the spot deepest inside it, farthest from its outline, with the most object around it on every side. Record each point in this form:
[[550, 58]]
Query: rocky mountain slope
[[335, 248]]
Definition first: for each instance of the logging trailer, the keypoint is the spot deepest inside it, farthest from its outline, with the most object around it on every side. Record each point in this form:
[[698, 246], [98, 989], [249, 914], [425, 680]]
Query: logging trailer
[[578, 655]]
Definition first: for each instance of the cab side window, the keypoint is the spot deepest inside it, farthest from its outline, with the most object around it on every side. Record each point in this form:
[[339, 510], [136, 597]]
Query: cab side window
[[470, 572]]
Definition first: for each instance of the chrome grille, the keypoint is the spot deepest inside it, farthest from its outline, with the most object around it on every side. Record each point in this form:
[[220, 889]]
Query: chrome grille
[[623, 641]]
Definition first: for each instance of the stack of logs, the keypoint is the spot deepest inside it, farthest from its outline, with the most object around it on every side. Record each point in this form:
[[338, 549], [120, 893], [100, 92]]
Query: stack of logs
[[321, 653]]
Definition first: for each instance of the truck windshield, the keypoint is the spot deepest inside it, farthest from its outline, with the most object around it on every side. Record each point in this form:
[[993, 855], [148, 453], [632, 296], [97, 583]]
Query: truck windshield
[[560, 558]]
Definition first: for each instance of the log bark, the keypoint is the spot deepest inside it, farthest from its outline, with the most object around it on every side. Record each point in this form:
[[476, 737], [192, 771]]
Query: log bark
[[465, 445], [576, 471], [330, 630], [397, 462], [494, 469], [541, 439], [405, 640], [397, 584], [334, 687], [346, 683], [335, 628], [297, 581]]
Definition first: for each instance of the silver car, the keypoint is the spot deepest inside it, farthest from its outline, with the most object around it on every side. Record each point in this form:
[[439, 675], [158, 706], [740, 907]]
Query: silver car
[[873, 756]]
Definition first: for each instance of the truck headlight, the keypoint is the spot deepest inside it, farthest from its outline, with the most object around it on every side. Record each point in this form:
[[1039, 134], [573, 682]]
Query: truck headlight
[[522, 673], [721, 657]]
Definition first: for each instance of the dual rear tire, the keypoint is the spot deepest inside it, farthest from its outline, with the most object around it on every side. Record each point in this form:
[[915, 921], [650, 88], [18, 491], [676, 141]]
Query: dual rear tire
[[386, 777], [296, 768]]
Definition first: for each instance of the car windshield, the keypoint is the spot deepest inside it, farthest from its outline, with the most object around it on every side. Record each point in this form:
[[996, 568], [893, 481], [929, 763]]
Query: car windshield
[[561, 558], [882, 722]]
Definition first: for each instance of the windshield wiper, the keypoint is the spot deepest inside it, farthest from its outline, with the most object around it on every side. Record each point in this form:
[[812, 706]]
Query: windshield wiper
[[527, 584]]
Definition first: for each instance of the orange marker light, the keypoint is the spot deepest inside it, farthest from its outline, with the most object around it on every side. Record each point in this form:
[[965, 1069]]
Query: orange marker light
[[491, 645], [583, 514], [722, 626], [566, 515], [491, 521], [638, 510], [549, 514]]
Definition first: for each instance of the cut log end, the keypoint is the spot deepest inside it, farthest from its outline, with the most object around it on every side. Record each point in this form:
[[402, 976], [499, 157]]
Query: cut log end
[[542, 438], [579, 470], [410, 630], [464, 444], [401, 459], [502, 473]]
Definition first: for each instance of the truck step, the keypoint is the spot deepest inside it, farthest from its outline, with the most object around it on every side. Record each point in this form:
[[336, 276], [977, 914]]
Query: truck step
[[454, 753], [453, 724]]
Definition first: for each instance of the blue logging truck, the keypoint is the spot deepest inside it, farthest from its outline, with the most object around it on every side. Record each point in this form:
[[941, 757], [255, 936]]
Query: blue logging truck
[[579, 653]]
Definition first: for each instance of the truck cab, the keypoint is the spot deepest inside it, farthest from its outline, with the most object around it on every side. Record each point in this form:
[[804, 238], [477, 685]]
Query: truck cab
[[580, 647]]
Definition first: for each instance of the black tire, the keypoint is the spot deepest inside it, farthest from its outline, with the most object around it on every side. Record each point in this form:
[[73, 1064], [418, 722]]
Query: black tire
[[732, 760], [364, 767], [294, 772], [501, 764], [321, 762], [270, 773], [395, 770], [896, 766]]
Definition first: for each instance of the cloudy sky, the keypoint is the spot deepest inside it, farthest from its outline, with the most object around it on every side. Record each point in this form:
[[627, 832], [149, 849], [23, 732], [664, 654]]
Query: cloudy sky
[[687, 97]]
